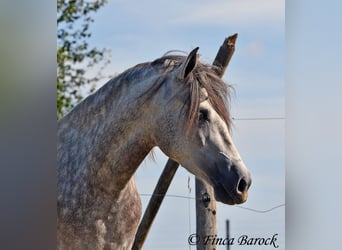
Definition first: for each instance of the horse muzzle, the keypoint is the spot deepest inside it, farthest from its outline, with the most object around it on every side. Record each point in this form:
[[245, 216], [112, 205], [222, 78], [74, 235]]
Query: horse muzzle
[[232, 183]]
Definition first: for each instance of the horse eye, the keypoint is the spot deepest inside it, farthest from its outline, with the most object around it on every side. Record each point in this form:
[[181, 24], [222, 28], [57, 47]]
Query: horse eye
[[203, 115]]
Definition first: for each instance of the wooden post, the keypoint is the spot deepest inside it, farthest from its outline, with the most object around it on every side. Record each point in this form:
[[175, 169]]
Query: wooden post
[[221, 61], [205, 215], [224, 54], [154, 203], [205, 199]]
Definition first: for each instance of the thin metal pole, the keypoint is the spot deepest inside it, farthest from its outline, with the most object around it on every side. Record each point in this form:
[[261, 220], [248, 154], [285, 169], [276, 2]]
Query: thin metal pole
[[228, 234]]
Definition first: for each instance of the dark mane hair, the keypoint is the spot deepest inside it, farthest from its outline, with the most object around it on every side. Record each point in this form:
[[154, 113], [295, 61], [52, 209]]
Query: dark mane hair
[[202, 76]]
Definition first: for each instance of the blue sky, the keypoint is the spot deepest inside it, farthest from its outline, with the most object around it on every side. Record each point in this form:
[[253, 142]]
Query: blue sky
[[138, 31]]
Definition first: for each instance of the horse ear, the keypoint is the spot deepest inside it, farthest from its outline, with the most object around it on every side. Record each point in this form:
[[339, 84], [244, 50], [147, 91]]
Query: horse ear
[[189, 64]]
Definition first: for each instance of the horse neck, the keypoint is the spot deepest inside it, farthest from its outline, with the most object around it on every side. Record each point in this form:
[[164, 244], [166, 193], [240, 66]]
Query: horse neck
[[110, 135]]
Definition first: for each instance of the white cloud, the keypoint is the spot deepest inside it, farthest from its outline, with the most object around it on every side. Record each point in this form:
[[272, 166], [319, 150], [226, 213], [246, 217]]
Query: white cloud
[[255, 48]]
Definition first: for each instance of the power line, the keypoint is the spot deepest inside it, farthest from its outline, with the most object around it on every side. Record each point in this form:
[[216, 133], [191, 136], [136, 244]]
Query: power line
[[170, 195], [242, 207], [258, 118], [262, 211]]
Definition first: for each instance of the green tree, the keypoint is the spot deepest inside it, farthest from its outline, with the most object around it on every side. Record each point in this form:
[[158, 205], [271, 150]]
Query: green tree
[[74, 57]]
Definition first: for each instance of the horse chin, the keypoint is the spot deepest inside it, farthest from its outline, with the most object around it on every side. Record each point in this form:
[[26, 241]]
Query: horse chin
[[222, 195]]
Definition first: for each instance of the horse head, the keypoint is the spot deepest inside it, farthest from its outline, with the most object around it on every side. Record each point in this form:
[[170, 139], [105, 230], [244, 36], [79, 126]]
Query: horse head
[[194, 129]]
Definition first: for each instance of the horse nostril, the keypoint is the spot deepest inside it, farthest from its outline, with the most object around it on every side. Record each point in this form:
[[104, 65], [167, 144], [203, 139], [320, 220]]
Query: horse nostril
[[242, 186]]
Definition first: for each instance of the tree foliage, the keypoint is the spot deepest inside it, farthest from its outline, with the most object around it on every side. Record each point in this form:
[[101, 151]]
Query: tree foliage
[[74, 55]]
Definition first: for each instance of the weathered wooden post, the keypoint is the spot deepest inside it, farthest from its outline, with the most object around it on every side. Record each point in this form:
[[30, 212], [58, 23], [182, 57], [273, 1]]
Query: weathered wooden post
[[224, 54], [205, 216], [221, 61], [205, 200], [154, 203]]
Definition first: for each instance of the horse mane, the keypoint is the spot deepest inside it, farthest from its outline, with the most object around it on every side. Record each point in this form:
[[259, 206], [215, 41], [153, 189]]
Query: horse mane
[[202, 76]]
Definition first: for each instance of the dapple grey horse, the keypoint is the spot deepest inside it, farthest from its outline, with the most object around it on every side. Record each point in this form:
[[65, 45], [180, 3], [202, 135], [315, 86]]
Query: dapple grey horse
[[175, 103]]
